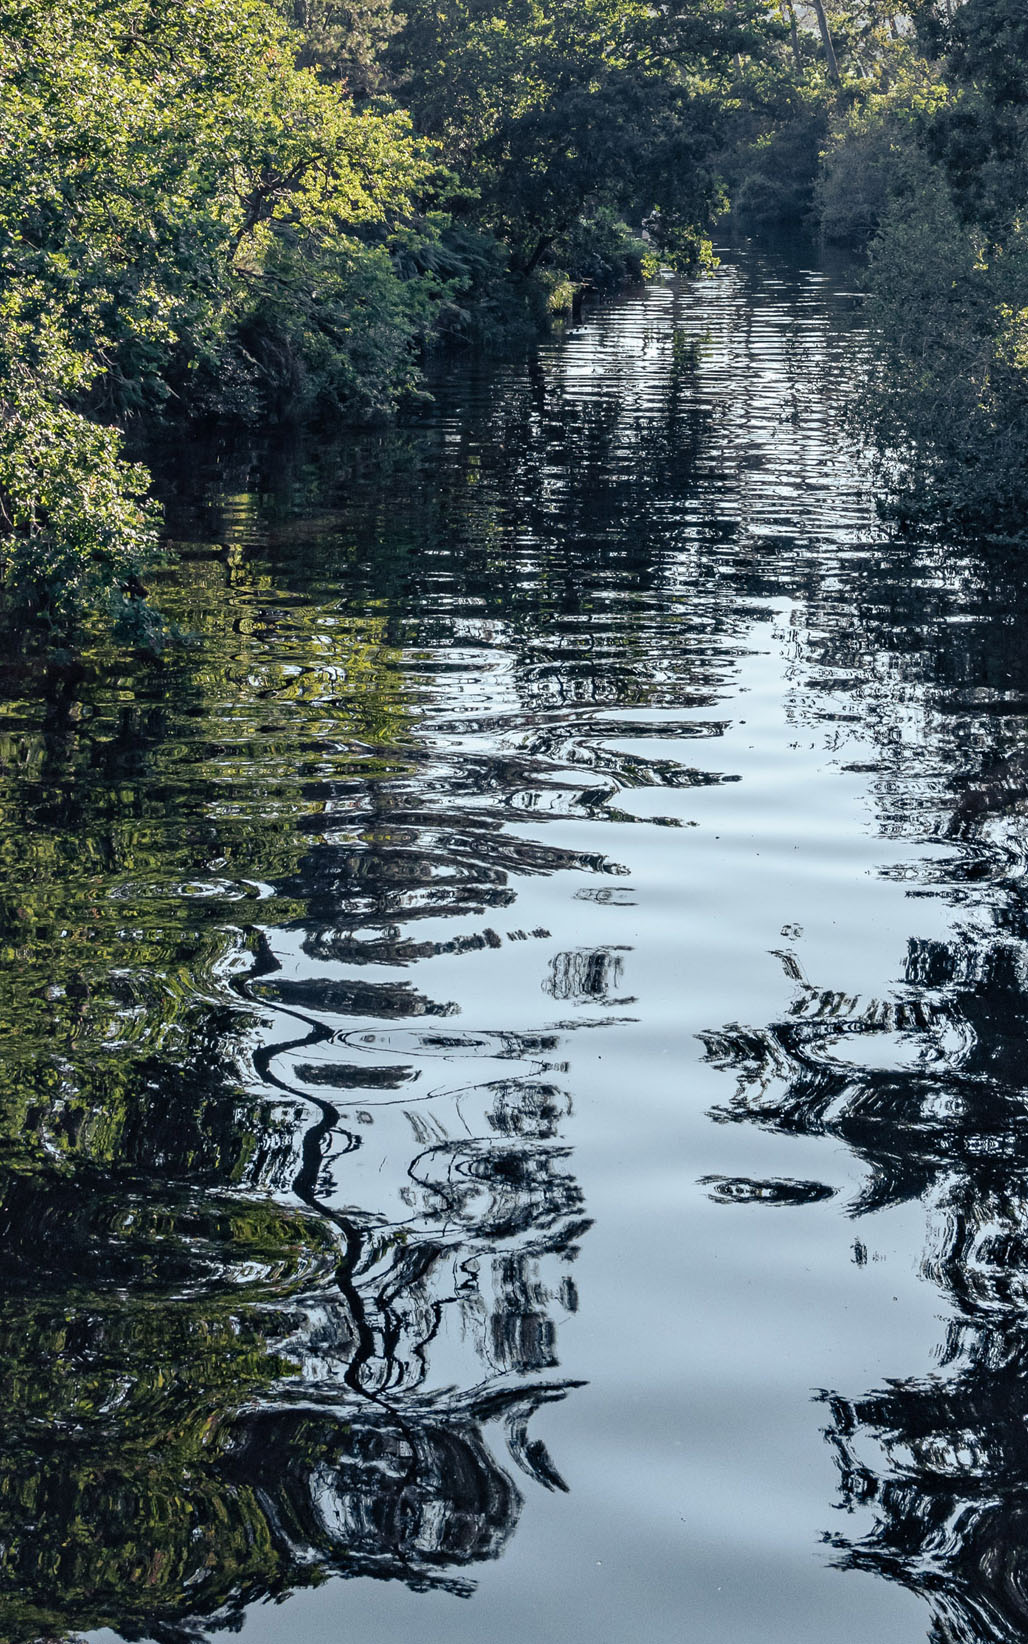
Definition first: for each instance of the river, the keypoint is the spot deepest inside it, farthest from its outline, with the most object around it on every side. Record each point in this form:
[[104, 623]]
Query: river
[[514, 1115]]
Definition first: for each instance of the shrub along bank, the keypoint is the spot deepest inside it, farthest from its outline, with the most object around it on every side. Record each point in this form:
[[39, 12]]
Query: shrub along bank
[[926, 166]]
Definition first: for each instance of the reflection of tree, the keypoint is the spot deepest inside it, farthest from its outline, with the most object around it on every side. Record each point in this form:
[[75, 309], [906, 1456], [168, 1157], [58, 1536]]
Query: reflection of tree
[[925, 1085], [209, 1396], [940, 1463], [227, 873], [150, 1476], [591, 974], [186, 1490], [944, 1471], [215, 1383]]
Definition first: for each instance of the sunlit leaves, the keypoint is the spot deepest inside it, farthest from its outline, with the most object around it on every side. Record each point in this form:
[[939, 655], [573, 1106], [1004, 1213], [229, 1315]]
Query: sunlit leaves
[[162, 169]]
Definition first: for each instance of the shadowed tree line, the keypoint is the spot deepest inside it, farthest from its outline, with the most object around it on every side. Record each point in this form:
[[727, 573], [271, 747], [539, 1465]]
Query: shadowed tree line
[[264, 212]]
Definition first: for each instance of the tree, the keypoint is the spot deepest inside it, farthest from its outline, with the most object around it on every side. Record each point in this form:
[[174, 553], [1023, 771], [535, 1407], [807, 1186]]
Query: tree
[[163, 170], [557, 113]]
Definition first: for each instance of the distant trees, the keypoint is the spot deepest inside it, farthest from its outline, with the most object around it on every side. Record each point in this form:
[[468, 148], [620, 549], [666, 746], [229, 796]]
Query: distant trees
[[560, 113], [902, 131]]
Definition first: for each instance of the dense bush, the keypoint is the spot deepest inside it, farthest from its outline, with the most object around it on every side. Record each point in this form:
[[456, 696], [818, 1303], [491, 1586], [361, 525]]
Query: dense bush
[[946, 395], [870, 154], [931, 171], [775, 174], [168, 177], [76, 526]]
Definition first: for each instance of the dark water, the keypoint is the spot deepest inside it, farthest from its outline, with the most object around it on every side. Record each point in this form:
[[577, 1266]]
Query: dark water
[[515, 1096]]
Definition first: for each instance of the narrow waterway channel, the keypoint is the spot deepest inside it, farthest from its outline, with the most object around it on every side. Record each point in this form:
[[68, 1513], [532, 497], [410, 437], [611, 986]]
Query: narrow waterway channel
[[515, 1105]]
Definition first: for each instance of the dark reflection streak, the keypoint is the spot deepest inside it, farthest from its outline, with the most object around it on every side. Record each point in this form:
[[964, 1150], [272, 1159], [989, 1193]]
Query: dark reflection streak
[[305, 1187], [440, 1189], [305, 1184], [367, 1346], [426, 1259]]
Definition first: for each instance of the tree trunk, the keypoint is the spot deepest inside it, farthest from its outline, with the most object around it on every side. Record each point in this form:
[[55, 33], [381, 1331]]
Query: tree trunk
[[543, 245], [789, 12], [826, 40]]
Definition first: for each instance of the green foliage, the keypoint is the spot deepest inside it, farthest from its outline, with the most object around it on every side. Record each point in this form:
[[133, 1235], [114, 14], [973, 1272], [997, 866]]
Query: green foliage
[[931, 165], [866, 155], [947, 390], [169, 175], [555, 115], [774, 173], [77, 528], [876, 146], [604, 252], [157, 156], [270, 208], [347, 43], [980, 135], [344, 342]]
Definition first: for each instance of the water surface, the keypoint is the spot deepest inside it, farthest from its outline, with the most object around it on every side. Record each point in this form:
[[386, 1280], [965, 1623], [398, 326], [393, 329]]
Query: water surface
[[514, 1120]]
